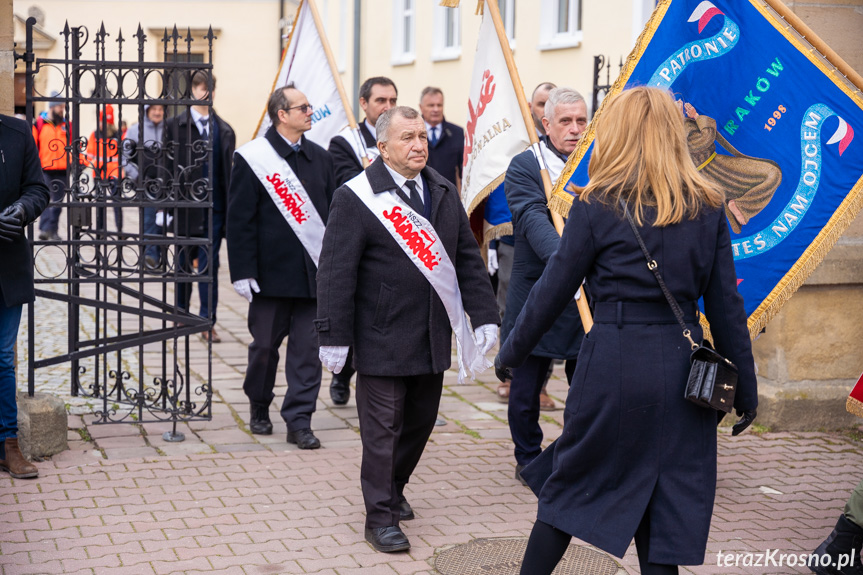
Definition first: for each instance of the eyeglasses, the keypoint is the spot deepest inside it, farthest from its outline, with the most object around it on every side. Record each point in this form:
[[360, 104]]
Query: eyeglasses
[[304, 109]]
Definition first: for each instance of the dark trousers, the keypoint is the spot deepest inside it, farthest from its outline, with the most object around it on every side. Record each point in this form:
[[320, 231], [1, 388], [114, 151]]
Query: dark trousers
[[397, 416], [183, 260], [50, 218], [523, 409], [271, 319], [209, 306]]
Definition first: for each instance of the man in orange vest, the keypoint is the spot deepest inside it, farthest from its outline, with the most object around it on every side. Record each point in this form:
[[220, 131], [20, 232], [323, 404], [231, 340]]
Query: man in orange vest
[[52, 132]]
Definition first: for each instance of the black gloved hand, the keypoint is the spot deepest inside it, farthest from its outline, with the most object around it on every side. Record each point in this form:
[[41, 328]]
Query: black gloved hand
[[503, 372], [746, 419], [12, 222]]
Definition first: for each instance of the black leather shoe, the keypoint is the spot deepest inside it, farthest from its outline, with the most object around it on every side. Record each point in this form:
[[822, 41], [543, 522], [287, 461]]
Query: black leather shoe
[[518, 476], [387, 539], [304, 438], [340, 390], [259, 422], [406, 512]]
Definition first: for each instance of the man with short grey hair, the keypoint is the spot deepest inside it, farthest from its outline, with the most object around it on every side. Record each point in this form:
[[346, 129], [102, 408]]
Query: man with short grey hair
[[397, 233], [536, 239]]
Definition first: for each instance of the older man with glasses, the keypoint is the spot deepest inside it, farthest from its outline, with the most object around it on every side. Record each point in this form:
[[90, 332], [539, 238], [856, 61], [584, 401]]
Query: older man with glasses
[[281, 190]]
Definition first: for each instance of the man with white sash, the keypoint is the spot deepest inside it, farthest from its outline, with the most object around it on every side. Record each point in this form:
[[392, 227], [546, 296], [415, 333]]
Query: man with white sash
[[281, 189], [400, 271], [536, 239], [377, 95]]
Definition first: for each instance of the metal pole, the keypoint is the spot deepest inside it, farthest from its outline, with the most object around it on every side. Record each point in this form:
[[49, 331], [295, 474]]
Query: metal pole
[[358, 17]]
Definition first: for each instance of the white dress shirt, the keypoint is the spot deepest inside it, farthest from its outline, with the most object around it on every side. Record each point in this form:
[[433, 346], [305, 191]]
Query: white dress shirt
[[400, 182]]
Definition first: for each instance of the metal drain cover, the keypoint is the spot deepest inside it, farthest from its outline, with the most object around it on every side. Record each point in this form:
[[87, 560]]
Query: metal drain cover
[[503, 557]]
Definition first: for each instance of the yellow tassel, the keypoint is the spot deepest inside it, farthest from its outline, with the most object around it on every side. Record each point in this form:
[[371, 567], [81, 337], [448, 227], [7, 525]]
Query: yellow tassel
[[449, 3], [854, 407], [479, 7]]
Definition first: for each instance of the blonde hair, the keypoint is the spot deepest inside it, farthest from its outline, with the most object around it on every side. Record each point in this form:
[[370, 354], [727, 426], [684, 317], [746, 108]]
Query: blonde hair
[[640, 155]]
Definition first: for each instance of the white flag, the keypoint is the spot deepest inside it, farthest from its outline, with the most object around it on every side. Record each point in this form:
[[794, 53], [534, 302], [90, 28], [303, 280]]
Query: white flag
[[305, 64], [495, 130]]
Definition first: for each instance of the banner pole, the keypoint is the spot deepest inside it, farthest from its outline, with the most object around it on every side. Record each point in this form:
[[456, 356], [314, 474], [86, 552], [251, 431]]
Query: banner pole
[[581, 301], [334, 70], [801, 28]]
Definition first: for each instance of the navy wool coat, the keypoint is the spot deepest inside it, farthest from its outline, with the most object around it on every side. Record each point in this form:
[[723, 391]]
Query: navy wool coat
[[371, 295], [535, 241], [21, 180], [446, 156], [631, 443]]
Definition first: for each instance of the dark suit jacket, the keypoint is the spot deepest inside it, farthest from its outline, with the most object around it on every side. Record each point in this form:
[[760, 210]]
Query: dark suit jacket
[[22, 181], [372, 297], [345, 161], [261, 244], [535, 241], [448, 154], [181, 133]]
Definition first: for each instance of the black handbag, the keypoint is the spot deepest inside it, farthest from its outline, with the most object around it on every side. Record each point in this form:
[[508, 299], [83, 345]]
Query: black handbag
[[712, 378]]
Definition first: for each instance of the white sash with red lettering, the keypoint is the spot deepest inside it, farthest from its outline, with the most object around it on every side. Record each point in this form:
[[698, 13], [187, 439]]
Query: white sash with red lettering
[[355, 139], [287, 193], [418, 239]]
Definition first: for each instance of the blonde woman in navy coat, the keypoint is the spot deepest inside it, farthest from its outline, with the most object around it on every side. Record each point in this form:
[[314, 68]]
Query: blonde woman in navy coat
[[635, 458]]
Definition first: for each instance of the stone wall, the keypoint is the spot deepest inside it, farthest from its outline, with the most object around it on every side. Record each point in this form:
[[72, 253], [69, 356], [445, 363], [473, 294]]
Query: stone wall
[[812, 353]]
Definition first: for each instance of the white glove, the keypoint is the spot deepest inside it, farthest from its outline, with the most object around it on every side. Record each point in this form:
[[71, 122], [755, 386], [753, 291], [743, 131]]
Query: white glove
[[493, 266], [486, 337], [333, 357], [246, 287], [163, 220]]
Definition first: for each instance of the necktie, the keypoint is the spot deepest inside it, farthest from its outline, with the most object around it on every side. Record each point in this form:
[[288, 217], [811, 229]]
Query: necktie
[[205, 130], [416, 200], [433, 139]]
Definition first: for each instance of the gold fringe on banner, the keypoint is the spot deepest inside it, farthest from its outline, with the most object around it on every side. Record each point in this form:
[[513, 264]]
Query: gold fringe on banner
[[449, 3], [854, 407], [561, 202], [497, 232], [484, 193]]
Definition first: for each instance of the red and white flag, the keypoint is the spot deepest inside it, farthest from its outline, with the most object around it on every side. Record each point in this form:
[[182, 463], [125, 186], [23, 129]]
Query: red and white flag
[[305, 63], [495, 130]]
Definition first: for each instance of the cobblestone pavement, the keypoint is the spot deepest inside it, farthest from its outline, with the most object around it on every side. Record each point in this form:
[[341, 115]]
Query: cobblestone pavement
[[124, 501]]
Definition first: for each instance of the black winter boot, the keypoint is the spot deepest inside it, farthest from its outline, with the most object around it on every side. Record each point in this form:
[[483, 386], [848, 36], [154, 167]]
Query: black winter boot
[[839, 554]]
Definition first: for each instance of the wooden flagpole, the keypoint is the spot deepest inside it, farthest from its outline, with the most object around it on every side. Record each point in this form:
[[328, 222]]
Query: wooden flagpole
[[581, 301], [334, 70]]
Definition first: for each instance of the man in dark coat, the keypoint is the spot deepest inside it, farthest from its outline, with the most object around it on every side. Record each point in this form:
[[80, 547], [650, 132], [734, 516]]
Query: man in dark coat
[[446, 140], [535, 240], [374, 297], [273, 269], [23, 196], [377, 95], [181, 134]]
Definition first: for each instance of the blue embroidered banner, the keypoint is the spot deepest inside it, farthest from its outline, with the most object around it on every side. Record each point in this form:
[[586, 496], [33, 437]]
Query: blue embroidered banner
[[768, 120]]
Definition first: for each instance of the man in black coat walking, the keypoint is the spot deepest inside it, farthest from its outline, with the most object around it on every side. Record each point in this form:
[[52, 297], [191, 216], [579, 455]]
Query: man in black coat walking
[[535, 241], [23, 196], [377, 95], [446, 140], [373, 296], [182, 133], [272, 267]]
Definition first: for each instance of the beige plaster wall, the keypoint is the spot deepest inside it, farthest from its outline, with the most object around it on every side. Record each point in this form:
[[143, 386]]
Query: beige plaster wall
[[571, 67], [7, 61]]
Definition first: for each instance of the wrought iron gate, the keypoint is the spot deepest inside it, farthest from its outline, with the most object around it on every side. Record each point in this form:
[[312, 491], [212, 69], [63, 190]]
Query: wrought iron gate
[[602, 64], [131, 338]]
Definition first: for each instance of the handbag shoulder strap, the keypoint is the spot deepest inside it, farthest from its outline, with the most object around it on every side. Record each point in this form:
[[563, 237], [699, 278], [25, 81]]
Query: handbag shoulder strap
[[654, 267]]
